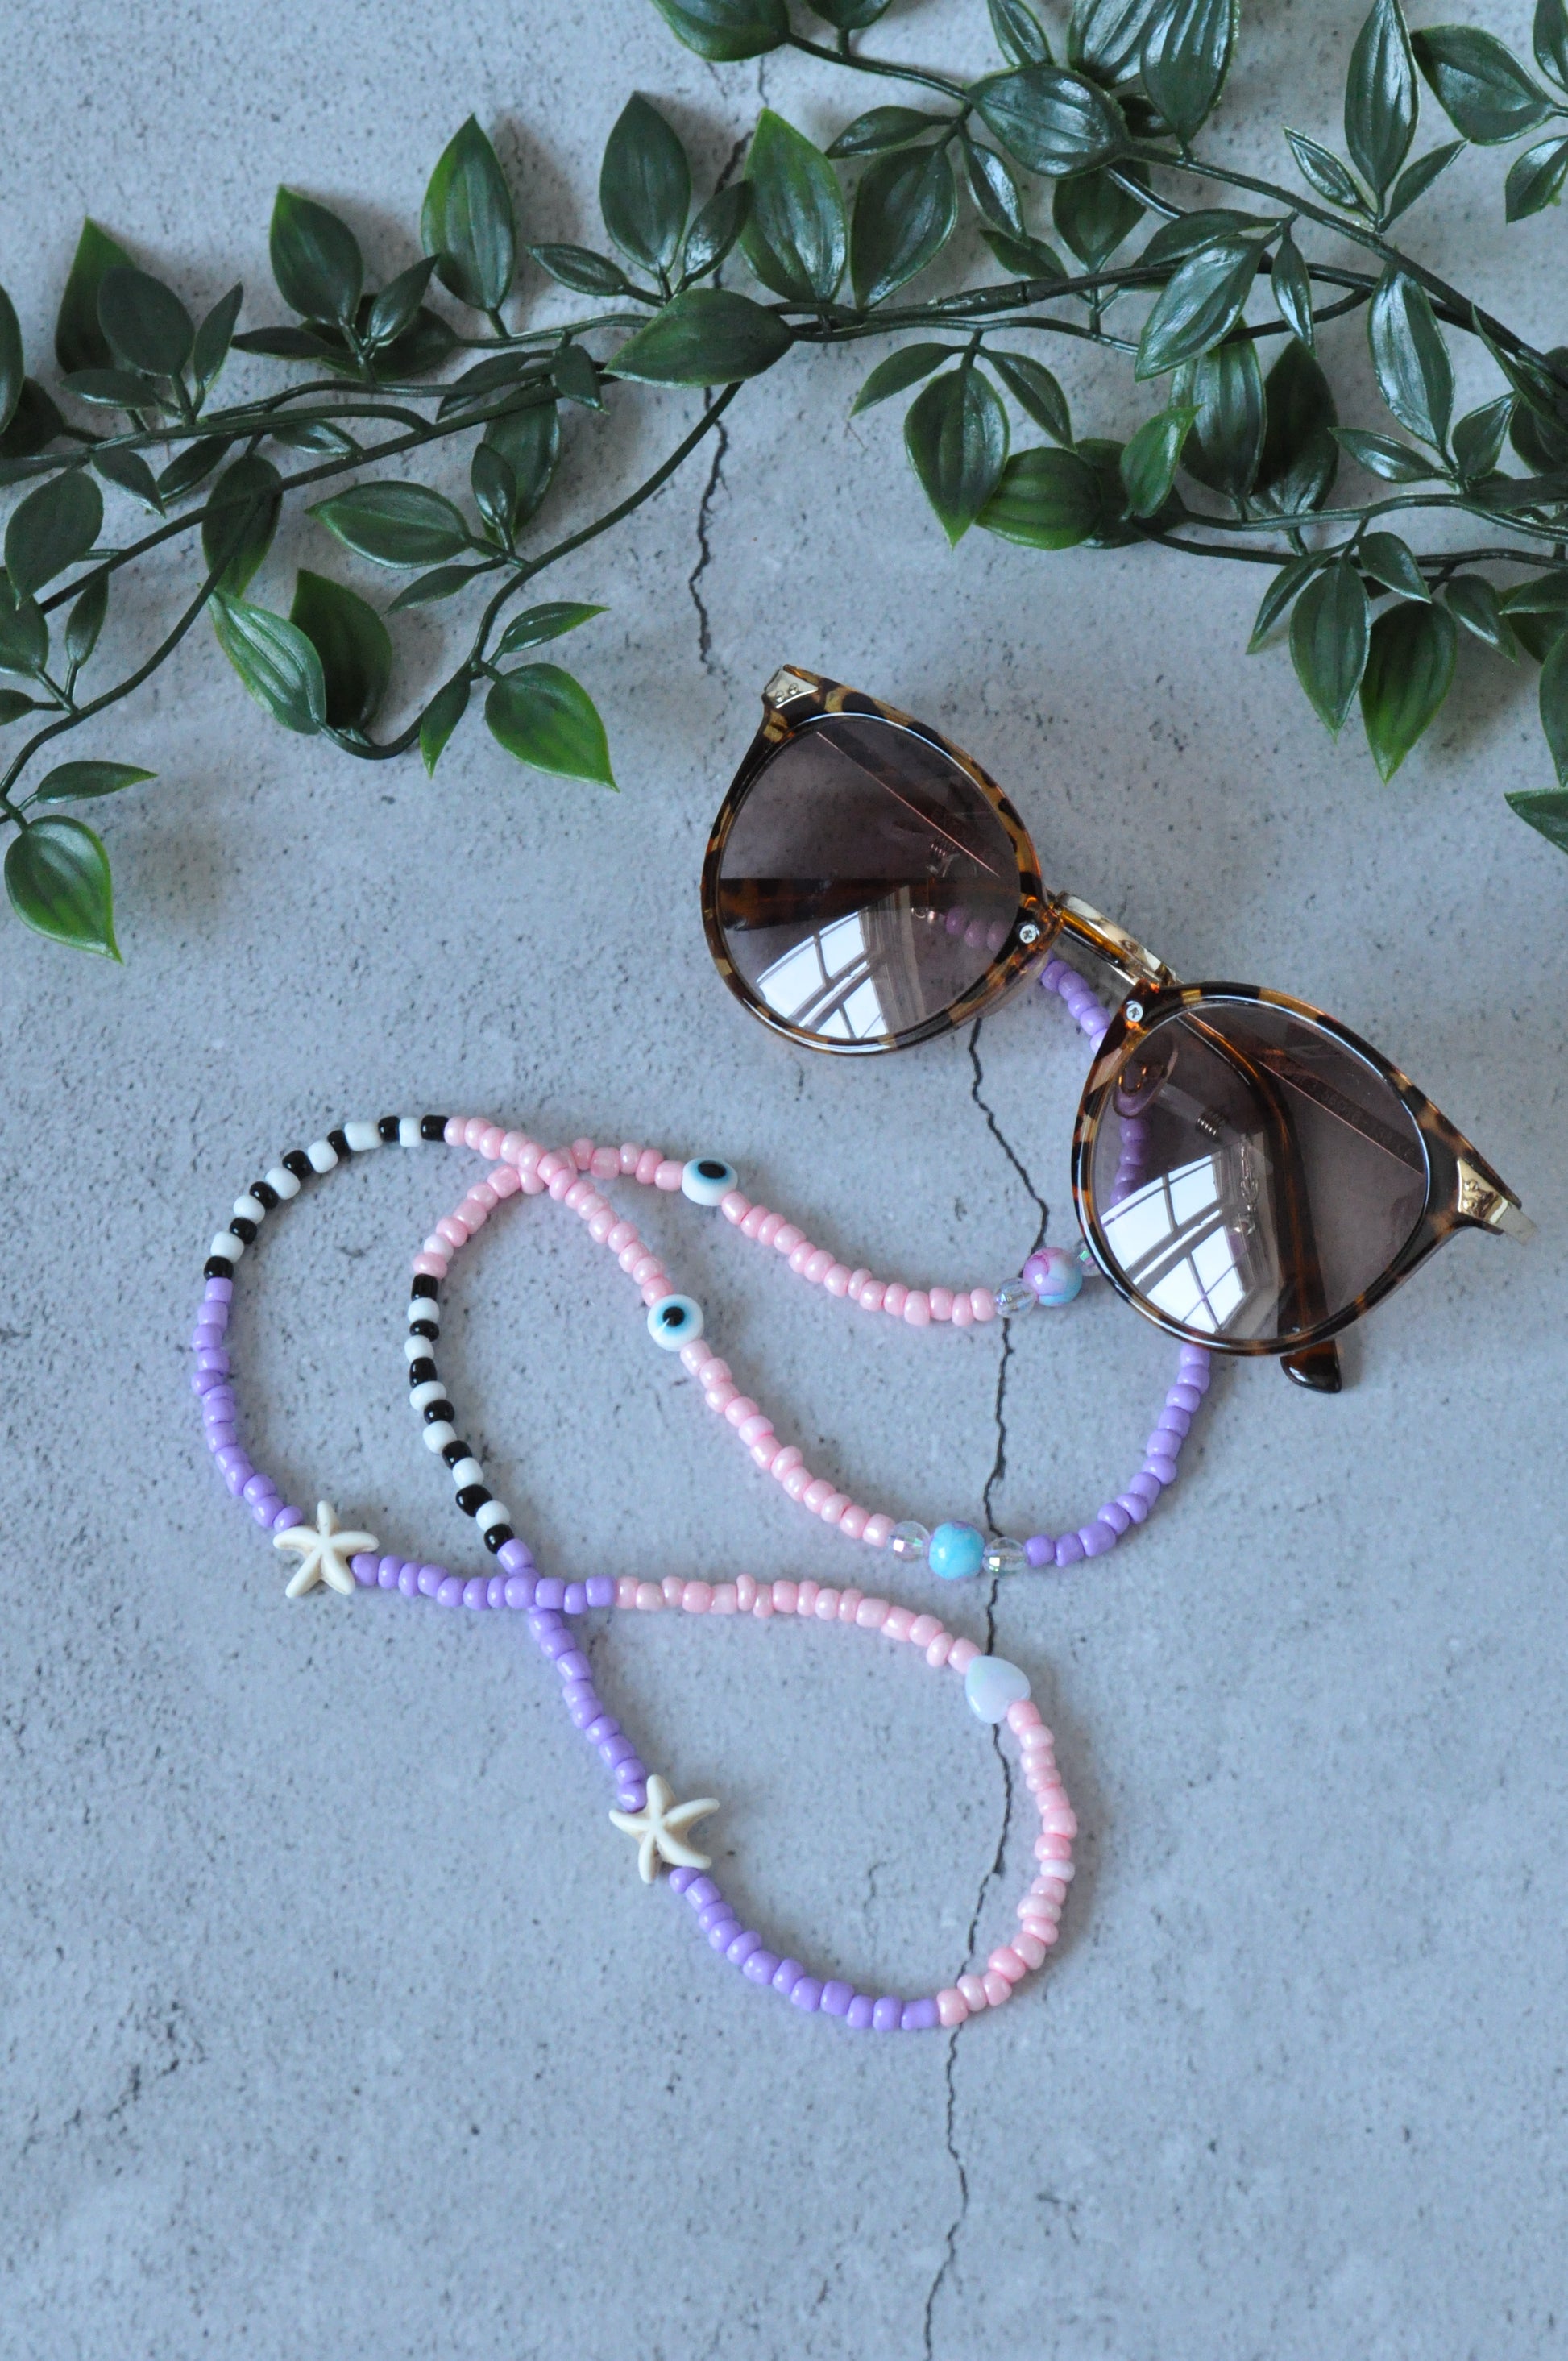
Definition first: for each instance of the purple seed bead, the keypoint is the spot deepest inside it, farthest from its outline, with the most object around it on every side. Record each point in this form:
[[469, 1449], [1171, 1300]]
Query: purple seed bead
[[919, 2016], [886, 2012], [518, 1589], [1097, 1538], [1113, 1515], [1069, 1549], [547, 1618], [633, 1772], [206, 1381], [1040, 1549], [408, 1580], [633, 1798], [1134, 1504], [699, 1891], [389, 1573], [760, 1966], [221, 1435], [806, 1994], [554, 1640], [1156, 1464], [1147, 1487], [495, 1591], [234, 1477], [616, 1750], [712, 1911], [573, 1666], [741, 1949], [1173, 1419], [580, 1692], [723, 1932], [213, 1358], [680, 1879], [430, 1579], [859, 2013], [515, 1557], [585, 1713], [576, 1599], [219, 1290], [835, 1999], [550, 1592], [257, 1486], [600, 1590], [364, 1569], [477, 1591], [786, 1975], [449, 1593], [1183, 1396], [606, 1726], [219, 1403], [264, 1511]]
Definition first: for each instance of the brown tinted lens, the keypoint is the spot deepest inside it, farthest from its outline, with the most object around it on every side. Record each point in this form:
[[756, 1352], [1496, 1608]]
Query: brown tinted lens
[[1252, 1176], [866, 881]]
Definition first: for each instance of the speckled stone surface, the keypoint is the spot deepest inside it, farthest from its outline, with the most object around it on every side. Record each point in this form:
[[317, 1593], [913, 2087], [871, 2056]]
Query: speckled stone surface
[[334, 2018]]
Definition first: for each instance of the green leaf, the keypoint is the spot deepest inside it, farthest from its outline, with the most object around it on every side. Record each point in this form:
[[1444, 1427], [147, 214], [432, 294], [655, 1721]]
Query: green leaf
[[1323, 172], [1472, 602], [705, 335], [33, 423], [723, 31], [213, 338], [1174, 241], [277, 663], [545, 717], [574, 377], [900, 370], [1479, 84], [905, 207], [1546, 809], [494, 487], [24, 632], [192, 467], [317, 434], [1392, 562], [395, 524], [796, 238], [443, 582], [395, 309], [1380, 97], [1200, 306], [532, 629], [1224, 390], [316, 260], [1020, 36], [1414, 372], [1418, 177], [57, 875], [580, 268], [1544, 595], [72, 782], [85, 619], [13, 374], [353, 645], [467, 222], [993, 189], [79, 342], [147, 326], [1292, 289], [1052, 121], [1381, 455], [1554, 705], [285, 343], [14, 703], [1046, 500], [441, 718], [241, 519], [881, 127], [1185, 59], [1535, 178], [1023, 258], [1409, 671], [1330, 631], [1149, 462], [1291, 578], [1479, 437], [1094, 215], [1035, 391], [1549, 38], [645, 187], [130, 471], [52, 528], [956, 435], [850, 16], [1108, 36], [114, 388], [529, 443], [715, 230]]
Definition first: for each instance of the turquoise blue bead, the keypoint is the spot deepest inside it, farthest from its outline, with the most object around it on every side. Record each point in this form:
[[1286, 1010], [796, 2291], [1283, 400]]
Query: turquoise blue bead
[[954, 1552]]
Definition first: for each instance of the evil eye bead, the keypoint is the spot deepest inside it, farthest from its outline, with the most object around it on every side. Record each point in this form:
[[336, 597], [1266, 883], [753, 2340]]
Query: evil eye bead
[[1055, 1276], [954, 1552], [708, 1179], [675, 1320]]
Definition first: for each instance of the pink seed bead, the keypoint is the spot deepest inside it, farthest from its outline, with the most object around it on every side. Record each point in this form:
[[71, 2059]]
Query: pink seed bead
[[533, 1186], [735, 1207], [668, 1176], [817, 1265], [848, 1603], [648, 1597], [898, 1622], [619, 1237], [503, 1181], [1025, 1714], [1056, 1819], [631, 1254], [472, 1215], [724, 1599], [762, 1605], [940, 1649], [739, 1410], [800, 1255], [581, 1192], [828, 1602], [798, 1481], [918, 1308], [566, 1178], [656, 1289], [431, 1266], [673, 1588], [816, 1492], [452, 1230], [964, 1312], [997, 1988], [785, 1462], [1005, 1961], [491, 1140], [1048, 1849], [853, 1523], [873, 1613], [471, 1127], [720, 1396], [553, 1163], [833, 1508], [456, 1127], [974, 1995], [982, 1303], [696, 1356], [784, 1597], [805, 1598], [582, 1153], [753, 1220], [602, 1223], [1030, 1950], [433, 1245], [878, 1528], [894, 1296], [751, 1430], [716, 1372], [836, 1278], [605, 1164], [765, 1452], [924, 1630], [873, 1292], [519, 1149], [786, 1238], [1036, 1739], [626, 1591], [768, 1229], [941, 1303], [645, 1268], [745, 1592], [483, 1193], [696, 1598], [648, 1164], [1047, 1888], [961, 1654], [628, 1157], [858, 1280], [951, 2006]]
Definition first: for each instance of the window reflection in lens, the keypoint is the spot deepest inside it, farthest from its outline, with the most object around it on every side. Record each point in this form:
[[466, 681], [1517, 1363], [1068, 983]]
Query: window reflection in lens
[[1251, 1175], [866, 881]]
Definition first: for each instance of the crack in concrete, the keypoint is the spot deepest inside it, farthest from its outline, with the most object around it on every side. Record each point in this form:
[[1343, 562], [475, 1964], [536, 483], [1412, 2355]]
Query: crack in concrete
[[715, 483]]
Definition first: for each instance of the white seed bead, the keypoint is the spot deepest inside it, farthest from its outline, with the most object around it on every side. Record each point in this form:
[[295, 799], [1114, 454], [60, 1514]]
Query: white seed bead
[[415, 1348], [408, 1131], [492, 1513], [439, 1434], [707, 1179], [468, 1471], [423, 1307], [321, 1155], [282, 1184], [431, 1389], [361, 1136], [249, 1208], [228, 1246]]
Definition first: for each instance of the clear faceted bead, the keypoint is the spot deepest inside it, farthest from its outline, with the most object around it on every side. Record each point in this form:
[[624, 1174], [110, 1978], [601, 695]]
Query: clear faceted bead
[[1013, 1295], [1004, 1555], [908, 1542]]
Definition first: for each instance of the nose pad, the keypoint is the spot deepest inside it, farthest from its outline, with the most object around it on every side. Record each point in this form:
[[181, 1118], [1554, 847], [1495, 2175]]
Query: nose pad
[[1140, 1080], [1316, 1366]]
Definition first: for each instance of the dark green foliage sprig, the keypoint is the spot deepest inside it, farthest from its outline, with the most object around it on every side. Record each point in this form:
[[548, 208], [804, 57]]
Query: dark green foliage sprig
[[1218, 287]]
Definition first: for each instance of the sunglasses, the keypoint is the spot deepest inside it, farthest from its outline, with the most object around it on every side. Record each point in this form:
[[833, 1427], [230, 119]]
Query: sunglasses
[[1249, 1174]]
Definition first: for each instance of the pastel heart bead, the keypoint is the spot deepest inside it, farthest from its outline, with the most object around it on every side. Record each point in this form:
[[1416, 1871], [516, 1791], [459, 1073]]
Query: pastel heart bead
[[991, 1684]]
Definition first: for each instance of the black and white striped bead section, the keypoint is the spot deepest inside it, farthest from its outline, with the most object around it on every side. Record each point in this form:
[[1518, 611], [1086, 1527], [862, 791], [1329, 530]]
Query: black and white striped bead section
[[286, 1177]]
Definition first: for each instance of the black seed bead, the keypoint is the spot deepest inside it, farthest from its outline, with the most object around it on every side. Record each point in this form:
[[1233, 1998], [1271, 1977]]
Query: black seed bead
[[494, 1535], [218, 1267], [472, 1498], [435, 1409], [421, 1371], [264, 1194], [432, 1126], [298, 1164], [243, 1229], [339, 1139], [453, 1451], [388, 1125], [423, 1284], [423, 1328]]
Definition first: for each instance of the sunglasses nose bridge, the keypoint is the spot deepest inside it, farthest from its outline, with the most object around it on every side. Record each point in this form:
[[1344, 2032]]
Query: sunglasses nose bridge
[[1129, 961]]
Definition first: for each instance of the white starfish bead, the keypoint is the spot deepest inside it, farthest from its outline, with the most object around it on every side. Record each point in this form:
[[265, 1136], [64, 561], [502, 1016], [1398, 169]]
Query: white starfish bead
[[324, 1551], [660, 1829]]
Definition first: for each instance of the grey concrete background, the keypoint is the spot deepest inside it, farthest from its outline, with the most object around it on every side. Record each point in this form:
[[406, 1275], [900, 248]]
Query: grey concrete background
[[334, 2017]]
